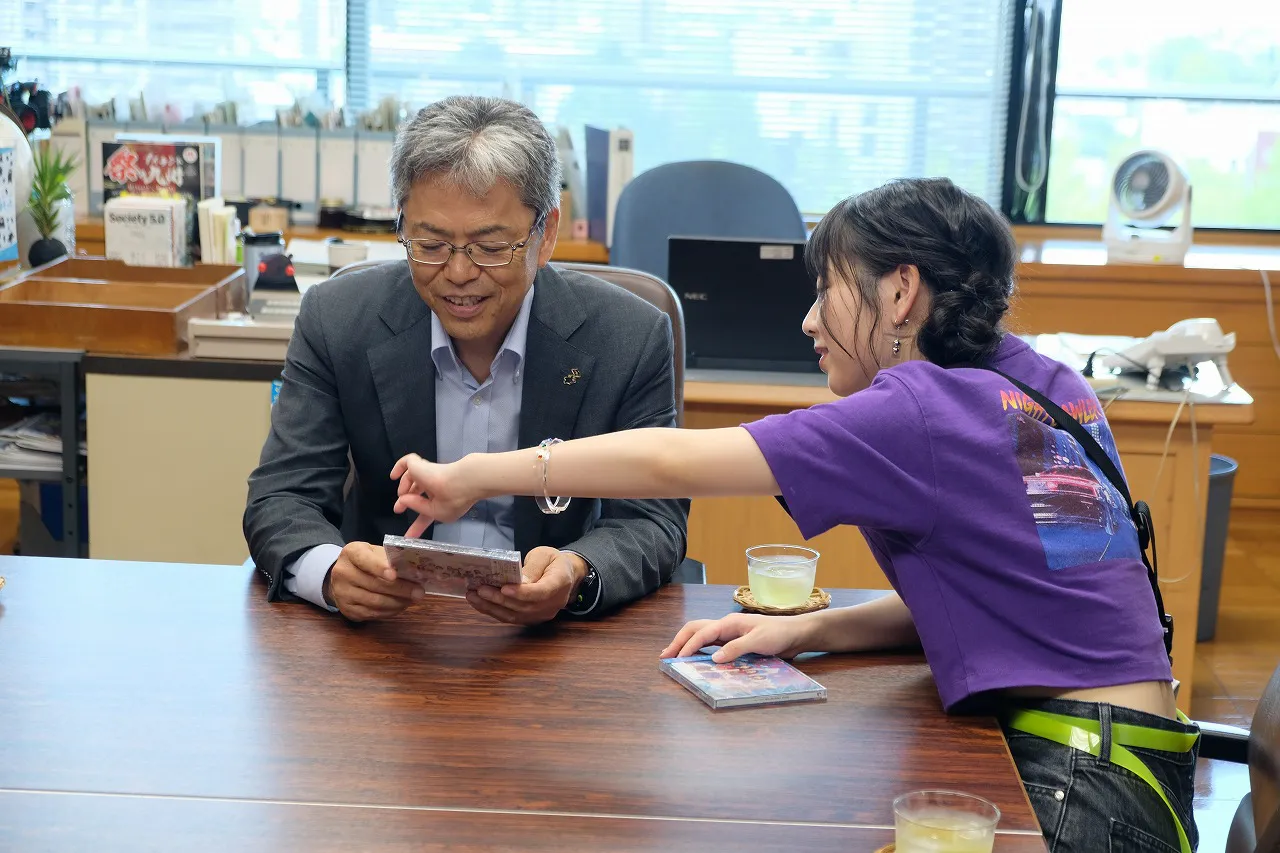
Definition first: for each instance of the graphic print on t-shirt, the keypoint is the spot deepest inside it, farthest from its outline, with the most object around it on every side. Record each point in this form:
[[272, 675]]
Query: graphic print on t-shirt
[[1080, 517]]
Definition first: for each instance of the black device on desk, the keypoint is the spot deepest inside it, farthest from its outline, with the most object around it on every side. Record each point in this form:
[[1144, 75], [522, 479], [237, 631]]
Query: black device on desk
[[275, 290], [744, 301]]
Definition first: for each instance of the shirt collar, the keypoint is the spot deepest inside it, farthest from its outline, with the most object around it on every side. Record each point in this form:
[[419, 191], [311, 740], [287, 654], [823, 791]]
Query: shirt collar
[[445, 356]]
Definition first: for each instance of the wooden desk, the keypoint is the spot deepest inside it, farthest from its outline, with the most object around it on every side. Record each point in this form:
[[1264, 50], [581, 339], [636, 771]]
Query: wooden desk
[[91, 240], [180, 683], [1067, 286], [721, 529], [111, 823], [145, 416]]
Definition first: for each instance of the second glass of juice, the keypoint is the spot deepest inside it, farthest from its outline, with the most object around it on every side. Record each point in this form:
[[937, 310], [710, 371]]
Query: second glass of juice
[[781, 575], [944, 822]]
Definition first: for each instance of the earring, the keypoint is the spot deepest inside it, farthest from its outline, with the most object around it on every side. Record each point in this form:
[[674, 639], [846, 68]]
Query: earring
[[897, 341]]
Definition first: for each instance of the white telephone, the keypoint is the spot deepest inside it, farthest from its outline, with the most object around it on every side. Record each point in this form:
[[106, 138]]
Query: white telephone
[[1183, 345]]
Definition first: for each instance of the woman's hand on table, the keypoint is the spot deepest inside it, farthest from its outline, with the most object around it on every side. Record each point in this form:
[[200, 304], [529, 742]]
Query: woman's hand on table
[[743, 633]]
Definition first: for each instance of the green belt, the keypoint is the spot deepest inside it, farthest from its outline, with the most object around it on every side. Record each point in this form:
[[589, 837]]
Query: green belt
[[1086, 736]]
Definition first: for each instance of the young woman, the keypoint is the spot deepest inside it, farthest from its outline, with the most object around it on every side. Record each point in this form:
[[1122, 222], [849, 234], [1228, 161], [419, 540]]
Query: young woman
[[1015, 564]]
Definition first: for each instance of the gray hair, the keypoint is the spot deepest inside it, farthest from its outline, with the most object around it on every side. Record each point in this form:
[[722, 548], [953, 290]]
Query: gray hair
[[476, 142]]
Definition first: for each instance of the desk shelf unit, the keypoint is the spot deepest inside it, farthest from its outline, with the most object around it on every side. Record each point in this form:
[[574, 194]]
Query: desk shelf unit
[[63, 367]]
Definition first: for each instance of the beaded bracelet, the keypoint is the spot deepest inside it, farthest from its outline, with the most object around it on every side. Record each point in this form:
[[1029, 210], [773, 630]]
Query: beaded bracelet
[[546, 503]]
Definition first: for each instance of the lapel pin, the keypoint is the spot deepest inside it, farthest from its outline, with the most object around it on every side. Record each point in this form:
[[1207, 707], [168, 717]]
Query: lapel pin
[[572, 376]]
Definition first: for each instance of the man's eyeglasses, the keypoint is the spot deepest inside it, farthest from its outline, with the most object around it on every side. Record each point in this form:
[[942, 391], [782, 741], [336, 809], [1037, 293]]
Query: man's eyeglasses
[[483, 253]]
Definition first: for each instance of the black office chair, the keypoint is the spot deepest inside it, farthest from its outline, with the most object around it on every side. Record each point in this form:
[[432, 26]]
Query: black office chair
[[1256, 825], [658, 293]]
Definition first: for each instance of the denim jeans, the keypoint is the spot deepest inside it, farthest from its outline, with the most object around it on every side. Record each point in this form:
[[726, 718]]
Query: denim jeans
[[1091, 805]]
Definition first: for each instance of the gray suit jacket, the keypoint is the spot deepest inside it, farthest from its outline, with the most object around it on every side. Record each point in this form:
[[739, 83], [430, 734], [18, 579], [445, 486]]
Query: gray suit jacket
[[359, 378]]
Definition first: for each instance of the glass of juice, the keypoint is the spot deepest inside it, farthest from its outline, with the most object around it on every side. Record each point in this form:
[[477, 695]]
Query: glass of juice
[[943, 822], [781, 575]]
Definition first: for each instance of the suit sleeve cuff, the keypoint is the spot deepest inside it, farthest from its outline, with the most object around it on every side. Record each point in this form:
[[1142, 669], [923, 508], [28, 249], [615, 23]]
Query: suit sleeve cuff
[[304, 577], [587, 605]]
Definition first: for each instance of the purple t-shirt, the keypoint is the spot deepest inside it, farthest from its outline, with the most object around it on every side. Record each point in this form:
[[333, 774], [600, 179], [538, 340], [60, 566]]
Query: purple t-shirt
[[1018, 560]]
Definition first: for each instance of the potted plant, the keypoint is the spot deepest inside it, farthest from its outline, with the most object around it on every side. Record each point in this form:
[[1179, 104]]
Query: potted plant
[[49, 190]]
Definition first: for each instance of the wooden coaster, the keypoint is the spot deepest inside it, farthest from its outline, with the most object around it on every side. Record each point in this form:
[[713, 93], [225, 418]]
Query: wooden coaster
[[819, 599]]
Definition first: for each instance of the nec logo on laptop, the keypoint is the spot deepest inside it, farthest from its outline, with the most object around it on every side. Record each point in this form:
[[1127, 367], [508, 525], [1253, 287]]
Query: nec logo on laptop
[[696, 296]]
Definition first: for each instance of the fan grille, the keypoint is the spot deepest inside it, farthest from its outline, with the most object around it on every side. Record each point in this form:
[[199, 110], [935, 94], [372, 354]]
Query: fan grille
[[1141, 183]]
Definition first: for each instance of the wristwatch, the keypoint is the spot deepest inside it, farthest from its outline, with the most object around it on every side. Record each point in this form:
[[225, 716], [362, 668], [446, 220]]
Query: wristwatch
[[587, 595]]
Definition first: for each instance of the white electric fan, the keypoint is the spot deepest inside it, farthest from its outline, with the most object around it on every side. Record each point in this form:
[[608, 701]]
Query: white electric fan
[[1148, 192]]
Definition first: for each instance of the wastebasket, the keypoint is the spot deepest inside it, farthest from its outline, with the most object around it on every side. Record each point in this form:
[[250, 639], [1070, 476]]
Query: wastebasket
[[1222, 474]]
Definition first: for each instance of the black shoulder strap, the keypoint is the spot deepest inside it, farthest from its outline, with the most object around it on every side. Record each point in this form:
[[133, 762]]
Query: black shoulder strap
[[1139, 512], [1072, 427]]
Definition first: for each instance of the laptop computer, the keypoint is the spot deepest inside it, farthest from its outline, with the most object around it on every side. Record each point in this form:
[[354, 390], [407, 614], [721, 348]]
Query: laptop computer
[[744, 301]]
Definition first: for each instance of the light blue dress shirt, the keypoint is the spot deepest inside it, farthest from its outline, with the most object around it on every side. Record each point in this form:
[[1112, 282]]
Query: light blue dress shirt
[[471, 417]]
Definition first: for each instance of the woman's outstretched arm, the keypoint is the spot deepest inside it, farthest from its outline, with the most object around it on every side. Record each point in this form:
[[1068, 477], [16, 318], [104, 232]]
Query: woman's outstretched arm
[[639, 463]]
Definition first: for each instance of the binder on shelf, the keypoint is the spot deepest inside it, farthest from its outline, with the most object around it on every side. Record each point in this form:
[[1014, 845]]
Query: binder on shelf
[[299, 179], [610, 166], [231, 138], [261, 161], [373, 162], [337, 166]]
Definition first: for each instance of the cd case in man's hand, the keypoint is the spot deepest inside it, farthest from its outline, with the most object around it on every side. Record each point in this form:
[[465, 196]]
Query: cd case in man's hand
[[442, 568], [749, 680]]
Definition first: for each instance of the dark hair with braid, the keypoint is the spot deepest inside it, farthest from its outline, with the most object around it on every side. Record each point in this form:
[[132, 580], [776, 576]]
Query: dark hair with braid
[[963, 249]]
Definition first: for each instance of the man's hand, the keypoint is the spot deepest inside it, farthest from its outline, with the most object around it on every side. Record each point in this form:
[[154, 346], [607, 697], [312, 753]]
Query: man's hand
[[550, 578], [362, 584]]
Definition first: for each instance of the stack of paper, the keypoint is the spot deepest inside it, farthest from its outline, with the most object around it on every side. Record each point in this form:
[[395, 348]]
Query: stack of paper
[[14, 457], [33, 443], [147, 231], [218, 228]]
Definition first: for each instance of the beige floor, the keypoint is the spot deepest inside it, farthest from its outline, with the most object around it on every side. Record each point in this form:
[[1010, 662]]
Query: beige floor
[[1231, 670]]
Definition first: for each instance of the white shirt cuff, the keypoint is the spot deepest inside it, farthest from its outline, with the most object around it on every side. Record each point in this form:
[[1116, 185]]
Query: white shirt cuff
[[304, 577]]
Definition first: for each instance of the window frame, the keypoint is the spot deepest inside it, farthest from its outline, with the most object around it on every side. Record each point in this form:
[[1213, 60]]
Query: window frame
[[1129, 96]]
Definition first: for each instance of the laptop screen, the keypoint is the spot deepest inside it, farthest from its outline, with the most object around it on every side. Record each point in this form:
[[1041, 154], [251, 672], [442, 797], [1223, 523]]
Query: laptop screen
[[744, 301]]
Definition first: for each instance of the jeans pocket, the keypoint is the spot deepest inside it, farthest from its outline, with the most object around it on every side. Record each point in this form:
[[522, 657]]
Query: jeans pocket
[[1047, 802], [1130, 839]]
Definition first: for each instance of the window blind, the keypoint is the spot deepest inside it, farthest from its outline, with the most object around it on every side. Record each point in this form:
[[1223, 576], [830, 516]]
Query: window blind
[[187, 51], [830, 97]]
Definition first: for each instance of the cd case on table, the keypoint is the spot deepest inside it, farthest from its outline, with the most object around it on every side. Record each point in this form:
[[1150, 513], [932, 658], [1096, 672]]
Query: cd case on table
[[749, 680], [442, 568]]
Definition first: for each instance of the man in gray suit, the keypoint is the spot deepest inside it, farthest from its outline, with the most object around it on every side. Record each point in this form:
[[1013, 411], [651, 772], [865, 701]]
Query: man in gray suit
[[472, 344]]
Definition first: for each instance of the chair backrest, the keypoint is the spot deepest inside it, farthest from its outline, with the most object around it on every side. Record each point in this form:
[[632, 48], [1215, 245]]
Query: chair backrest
[[358, 265], [698, 198], [1264, 762], [656, 292]]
